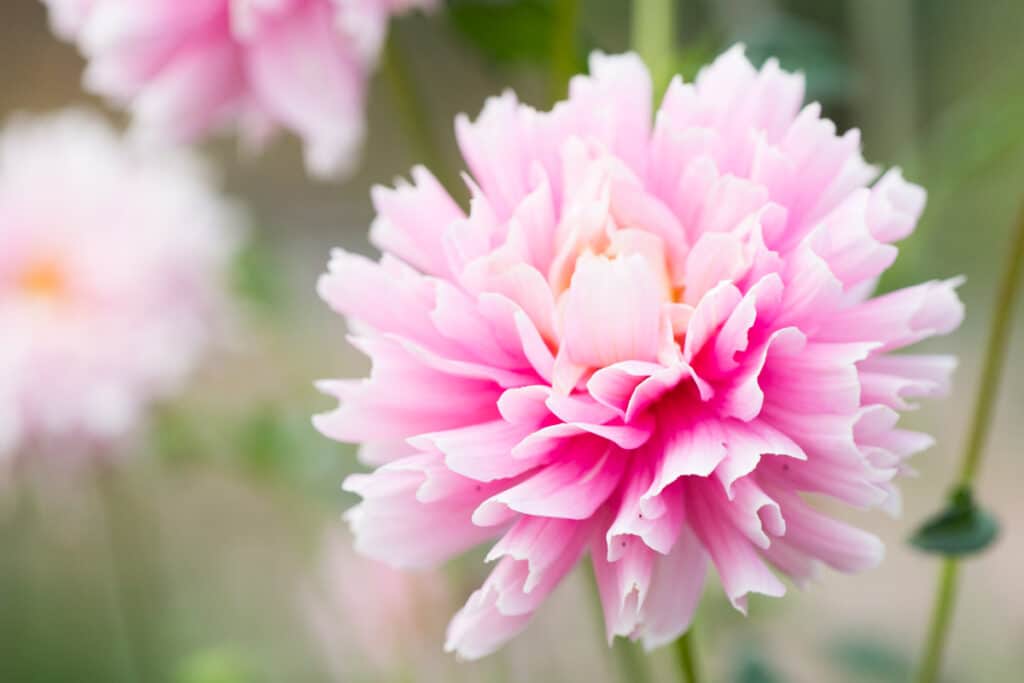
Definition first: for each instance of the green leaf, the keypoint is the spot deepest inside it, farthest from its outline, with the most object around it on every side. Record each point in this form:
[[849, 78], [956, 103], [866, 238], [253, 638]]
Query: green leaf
[[506, 31], [962, 528]]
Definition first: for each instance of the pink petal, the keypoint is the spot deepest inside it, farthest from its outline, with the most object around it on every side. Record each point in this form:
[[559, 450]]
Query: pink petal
[[837, 544], [371, 410], [900, 318], [389, 296], [573, 488], [481, 451], [312, 82], [630, 387], [391, 524], [895, 207], [890, 379], [623, 585], [611, 312], [503, 606], [740, 568], [614, 106], [411, 220], [674, 591]]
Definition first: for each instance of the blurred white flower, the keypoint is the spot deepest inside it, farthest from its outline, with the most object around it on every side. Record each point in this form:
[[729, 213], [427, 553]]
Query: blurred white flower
[[111, 273]]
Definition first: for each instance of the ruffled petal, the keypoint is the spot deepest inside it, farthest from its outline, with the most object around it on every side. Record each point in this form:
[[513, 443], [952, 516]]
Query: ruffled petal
[[394, 525], [536, 555]]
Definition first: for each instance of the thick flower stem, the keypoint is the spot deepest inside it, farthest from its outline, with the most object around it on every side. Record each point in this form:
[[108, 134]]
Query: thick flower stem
[[412, 111], [563, 48], [653, 37], [686, 656], [988, 388]]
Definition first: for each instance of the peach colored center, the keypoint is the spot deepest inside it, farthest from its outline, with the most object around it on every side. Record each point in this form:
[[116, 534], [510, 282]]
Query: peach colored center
[[43, 279]]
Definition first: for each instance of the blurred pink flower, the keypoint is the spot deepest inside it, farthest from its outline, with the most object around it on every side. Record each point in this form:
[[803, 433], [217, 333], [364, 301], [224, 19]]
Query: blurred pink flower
[[184, 68], [644, 342], [366, 615], [110, 267]]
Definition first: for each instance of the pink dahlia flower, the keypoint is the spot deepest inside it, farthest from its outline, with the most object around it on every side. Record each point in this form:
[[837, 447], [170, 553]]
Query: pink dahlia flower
[[186, 66], [110, 267], [644, 343]]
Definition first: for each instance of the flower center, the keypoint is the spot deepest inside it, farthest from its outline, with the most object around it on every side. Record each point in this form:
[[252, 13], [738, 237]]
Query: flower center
[[43, 279]]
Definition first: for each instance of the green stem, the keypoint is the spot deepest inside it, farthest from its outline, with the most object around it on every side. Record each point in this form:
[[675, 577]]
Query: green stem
[[686, 656], [988, 389], [653, 37], [412, 110], [938, 629], [563, 48], [631, 662]]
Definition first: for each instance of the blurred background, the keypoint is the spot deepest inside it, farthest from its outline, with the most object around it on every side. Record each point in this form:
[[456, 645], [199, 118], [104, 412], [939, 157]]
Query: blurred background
[[205, 560]]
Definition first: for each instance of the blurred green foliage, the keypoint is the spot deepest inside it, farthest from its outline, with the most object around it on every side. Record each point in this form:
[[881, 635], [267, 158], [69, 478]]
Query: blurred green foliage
[[506, 31], [867, 659], [800, 45], [216, 665], [257, 277], [753, 667]]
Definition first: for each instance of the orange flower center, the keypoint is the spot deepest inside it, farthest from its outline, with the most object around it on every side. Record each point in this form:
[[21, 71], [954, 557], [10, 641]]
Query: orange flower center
[[43, 279]]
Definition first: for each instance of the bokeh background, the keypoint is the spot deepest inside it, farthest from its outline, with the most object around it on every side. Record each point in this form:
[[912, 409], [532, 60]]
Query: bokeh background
[[200, 559]]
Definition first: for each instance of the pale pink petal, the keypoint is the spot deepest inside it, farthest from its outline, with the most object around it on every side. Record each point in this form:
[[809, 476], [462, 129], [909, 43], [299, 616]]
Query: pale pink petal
[[536, 556], [479, 451], [890, 379], [895, 207], [657, 520], [387, 296], [675, 591], [393, 525], [844, 240], [623, 584], [611, 312], [900, 318], [411, 221], [836, 544], [187, 69], [738, 563], [614, 106], [372, 410], [313, 84]]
